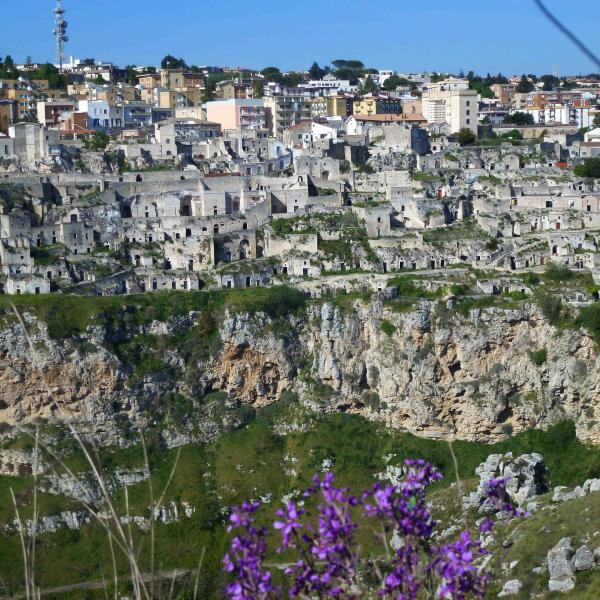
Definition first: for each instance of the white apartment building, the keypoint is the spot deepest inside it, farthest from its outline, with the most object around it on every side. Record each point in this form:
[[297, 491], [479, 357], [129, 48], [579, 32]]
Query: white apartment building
[[337, 85], [563, 114], [383, 76], [101, 115], [452, 102], [287, 111]]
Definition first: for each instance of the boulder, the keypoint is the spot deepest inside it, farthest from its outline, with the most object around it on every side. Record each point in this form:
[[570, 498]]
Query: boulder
[[562, 493], [510, 588], [583, 559], [526, 476], [560, 569], [591, 485]]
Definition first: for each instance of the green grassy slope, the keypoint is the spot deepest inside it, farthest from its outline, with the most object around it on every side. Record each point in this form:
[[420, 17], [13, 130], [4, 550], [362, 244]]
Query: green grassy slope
[[252, 462]]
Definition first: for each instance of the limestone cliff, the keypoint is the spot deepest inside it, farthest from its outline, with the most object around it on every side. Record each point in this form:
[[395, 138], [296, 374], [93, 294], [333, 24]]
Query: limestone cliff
[[427, 370]]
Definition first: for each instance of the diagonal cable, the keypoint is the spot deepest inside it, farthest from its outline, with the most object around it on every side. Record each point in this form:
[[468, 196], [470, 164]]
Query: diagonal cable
[[568, 33]]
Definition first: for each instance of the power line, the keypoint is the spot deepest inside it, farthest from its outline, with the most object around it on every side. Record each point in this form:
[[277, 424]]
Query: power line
[[569, 34]]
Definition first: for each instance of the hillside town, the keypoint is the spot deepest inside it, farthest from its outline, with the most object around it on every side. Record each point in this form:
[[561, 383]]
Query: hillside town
[[118, 181], [280, 324]]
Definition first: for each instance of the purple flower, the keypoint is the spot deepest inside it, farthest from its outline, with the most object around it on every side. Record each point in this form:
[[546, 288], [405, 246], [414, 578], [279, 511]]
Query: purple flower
[[245, 557], [497, 498], [289, 524], [327, 562], [454, 563]]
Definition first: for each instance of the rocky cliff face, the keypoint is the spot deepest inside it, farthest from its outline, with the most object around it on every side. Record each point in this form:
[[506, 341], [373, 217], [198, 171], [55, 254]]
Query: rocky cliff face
[[429, 371]]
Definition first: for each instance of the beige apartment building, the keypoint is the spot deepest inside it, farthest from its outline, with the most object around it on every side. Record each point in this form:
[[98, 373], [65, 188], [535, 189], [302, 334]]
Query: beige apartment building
[[177, 79], [452, 102], [180, 99]]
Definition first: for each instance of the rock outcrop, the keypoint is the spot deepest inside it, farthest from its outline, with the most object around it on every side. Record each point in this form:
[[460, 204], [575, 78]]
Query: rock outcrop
[[438, 374], [562, 578], [525, 475]]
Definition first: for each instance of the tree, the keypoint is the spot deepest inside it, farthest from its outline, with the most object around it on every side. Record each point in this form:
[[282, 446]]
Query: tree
[[589, 168], [480, 85], [209, 90], [367, 86], [293, 79], [352, 70], [519, 118], [170, 62], [88, 62], [568, 84], [465, 137], [315, 71], [514, 134], [596, 121], [272, 74], [48, 71], [8, 69], [98, 80], [550, 82], [394, 81], [525, 85], [258, 89], [131, 74], [97, 142]]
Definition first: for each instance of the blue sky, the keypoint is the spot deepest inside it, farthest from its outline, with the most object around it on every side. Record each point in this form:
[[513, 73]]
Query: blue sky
[[408, 35]]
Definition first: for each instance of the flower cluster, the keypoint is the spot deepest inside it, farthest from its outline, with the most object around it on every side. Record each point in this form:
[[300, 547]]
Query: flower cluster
[[497, 498], [454, 563], [245, 557], [328, 555], [327, 561]]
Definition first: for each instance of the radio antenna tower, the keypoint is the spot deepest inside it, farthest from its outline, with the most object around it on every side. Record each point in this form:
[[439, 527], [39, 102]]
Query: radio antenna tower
[[60, 33], [554, 71]]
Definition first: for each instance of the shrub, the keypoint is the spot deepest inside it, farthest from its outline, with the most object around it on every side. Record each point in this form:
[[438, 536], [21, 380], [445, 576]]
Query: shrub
[[557, 273], [507, 429], [589, 168], [465, 137], [551, 307], [492, 244], [387, 327], [459, 289], [539, 356], [589, 318], [406, 287], [531, 279]]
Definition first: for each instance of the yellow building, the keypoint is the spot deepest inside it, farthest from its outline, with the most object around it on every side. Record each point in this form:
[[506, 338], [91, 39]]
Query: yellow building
[[25, 99], [50, 94], [337, 106], [147, 95], [149, 80], [369, 105], [127, 93], [180, 99], [177, 79], [8, 114]]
